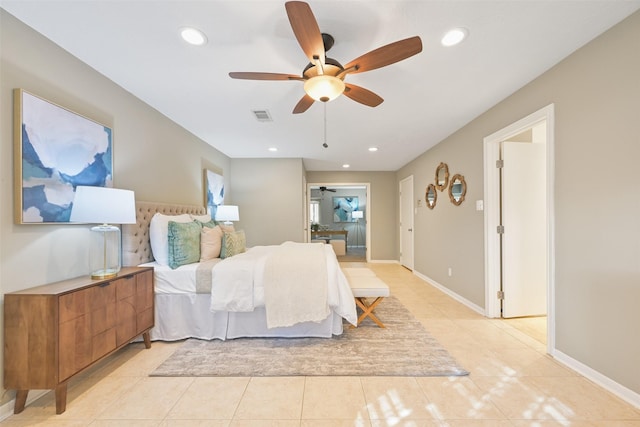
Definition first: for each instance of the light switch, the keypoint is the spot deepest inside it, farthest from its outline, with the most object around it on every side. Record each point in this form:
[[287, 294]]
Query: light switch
[[479, 205]]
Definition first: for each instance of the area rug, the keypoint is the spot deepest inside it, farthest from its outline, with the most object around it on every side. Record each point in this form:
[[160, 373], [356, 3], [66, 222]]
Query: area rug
[[403, 348]]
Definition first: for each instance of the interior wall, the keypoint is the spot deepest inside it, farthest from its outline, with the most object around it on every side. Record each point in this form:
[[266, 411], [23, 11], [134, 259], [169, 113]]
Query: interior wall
[[153, 156], [326, 212], [270, 196], [383, 205], [597, 233]]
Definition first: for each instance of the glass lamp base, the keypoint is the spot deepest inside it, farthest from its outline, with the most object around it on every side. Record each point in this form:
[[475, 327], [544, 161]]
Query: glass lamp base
[[104, 252], [99, 275]]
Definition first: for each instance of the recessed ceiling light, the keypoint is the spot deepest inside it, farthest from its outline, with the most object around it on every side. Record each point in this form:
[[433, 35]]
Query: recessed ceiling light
[[273, 149], [346, 166], [372, 149], [193, 36], [454, 36]]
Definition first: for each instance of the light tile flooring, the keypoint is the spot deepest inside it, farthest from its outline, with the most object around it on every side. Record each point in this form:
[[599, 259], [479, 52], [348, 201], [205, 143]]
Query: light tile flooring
[[512, 383]]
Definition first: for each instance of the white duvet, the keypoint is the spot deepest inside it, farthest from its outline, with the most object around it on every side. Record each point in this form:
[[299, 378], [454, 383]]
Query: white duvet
[[238, 283]]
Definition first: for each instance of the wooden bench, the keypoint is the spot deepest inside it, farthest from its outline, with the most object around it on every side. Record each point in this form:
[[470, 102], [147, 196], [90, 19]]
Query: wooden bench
[[365, 284], [339, 247]]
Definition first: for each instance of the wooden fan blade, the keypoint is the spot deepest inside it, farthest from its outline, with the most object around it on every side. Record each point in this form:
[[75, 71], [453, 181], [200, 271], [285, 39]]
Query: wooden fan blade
[[362, 95], [264, 76], [303, 105], [305, 27], [386, 55]]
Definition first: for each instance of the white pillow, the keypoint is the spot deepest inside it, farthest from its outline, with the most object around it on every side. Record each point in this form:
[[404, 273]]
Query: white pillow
[[201, 218], [159, 235]]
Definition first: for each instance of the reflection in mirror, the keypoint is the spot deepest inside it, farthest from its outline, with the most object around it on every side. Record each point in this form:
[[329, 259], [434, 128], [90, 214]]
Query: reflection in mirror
[[457, 189], [442, 176], [431, 196]]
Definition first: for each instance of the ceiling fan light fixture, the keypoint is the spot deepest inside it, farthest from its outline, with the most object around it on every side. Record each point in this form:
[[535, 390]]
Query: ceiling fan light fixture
[[454, 36], [324, 87]]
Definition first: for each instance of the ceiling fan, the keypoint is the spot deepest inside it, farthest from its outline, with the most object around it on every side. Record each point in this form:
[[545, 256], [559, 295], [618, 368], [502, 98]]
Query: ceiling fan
[[324, 77], [323, 189]]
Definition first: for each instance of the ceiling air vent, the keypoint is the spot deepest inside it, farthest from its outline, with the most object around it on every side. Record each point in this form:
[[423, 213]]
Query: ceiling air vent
[[262, 115]]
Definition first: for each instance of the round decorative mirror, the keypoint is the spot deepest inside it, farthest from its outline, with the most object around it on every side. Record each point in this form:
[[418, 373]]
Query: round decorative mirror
[[442, 176], [431, 195], [457, 189]]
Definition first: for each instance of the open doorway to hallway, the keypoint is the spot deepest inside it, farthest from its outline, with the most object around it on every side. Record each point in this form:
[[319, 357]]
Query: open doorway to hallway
[[338, 214], [518, 169]]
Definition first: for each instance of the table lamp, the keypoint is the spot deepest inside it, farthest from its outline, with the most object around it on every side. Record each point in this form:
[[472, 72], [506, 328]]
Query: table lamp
[[357, 215], [104, 206], [227, 213]]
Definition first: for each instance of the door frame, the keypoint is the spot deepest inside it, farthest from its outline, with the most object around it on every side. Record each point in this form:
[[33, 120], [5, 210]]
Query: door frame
[[411, 215], [491, 146], [367, 212]]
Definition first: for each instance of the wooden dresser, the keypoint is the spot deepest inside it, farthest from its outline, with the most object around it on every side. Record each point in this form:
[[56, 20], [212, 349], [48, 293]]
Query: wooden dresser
[[55, 331]]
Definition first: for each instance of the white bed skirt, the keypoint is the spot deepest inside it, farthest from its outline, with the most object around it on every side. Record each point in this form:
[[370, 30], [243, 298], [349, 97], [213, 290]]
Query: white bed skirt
[[181, 316]]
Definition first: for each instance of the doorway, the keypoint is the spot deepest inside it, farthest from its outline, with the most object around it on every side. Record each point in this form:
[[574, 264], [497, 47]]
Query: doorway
[[518, 270], [406, 222], [340, 212]]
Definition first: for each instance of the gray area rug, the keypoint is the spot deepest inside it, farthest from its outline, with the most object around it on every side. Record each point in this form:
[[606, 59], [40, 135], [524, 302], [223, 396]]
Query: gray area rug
[[403, 348]]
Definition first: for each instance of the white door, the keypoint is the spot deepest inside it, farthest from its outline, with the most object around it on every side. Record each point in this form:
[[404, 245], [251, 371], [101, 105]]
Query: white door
[[406, 222], [524, 213]]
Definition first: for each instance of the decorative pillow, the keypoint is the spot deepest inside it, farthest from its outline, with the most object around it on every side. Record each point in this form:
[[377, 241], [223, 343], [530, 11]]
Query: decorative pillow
[[184, 243], [210, 242], [201, 218], [233, 244], [210, 224], [227, 228], [158, 235]]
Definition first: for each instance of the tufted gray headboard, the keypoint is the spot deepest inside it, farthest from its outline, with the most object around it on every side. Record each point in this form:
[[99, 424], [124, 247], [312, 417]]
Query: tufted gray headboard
[[136, 247]]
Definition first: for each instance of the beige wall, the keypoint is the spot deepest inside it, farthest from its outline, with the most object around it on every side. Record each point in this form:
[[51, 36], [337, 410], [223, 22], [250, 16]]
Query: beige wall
[[153, 156], [596, 92], [270, 196], [383, 207]]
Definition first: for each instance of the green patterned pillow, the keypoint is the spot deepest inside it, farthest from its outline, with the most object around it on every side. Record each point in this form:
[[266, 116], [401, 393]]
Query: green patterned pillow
[[184, 243], [209, 224], [233, 243]]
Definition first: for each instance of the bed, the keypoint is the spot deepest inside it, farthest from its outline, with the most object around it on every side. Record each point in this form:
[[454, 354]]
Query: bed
[[193, 300]]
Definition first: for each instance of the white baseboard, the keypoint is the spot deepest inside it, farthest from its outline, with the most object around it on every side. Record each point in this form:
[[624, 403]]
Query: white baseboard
[[383, 261], [603, 381], [452, 294], [6, 410]]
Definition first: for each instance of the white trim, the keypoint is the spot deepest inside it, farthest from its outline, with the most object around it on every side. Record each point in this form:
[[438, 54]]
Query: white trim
[[449, 292], [384, 261], [603, 381], [492, 213], [6, 410]]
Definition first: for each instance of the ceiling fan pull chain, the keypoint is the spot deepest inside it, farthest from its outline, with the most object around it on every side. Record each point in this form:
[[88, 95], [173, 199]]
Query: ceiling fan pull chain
[[325, 145]]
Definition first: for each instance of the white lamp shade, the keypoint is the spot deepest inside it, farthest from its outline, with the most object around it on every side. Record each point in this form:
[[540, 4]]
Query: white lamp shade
[[103, 205], [227, 213], [357, 214]]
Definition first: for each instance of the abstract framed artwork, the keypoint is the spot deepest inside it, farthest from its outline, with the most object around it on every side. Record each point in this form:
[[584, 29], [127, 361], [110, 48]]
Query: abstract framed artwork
[[342, 208], [213, 191], [55, 150]]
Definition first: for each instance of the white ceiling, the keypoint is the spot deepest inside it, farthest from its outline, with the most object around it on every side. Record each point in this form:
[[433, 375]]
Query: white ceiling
[[427, 97]]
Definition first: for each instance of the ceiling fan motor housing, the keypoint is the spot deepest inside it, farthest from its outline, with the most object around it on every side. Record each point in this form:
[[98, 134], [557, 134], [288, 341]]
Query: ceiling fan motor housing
[[331, 68]]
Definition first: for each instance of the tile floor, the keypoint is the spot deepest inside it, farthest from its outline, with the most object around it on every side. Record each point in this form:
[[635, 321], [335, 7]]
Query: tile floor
[[512, 383]]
